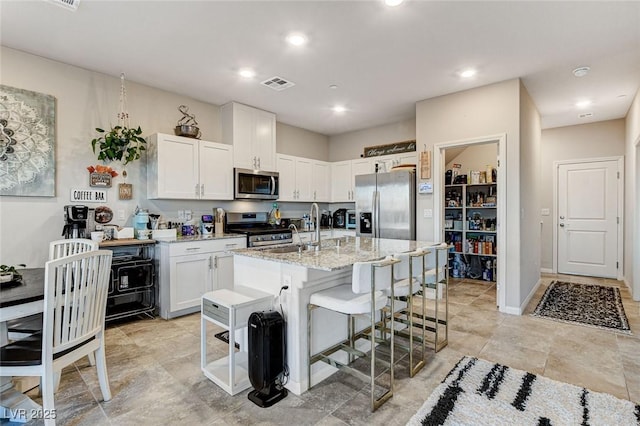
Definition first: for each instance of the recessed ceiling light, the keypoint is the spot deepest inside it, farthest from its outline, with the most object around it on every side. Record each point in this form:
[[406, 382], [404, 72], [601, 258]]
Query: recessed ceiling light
[[581, 71], [333, 86], [583, 104], [297, 39], [586, 115], [339, 109], [247, 73], [468, 73], [621, 96], [393, 3]]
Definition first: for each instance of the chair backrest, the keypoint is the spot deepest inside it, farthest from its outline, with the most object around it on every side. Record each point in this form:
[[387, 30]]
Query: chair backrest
[[439, 252], [75, 299], [401, 270], [362, 273], [68, 247]]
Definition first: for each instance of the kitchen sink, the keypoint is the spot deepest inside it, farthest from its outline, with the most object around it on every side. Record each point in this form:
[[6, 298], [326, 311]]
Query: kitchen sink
[[288, 249]]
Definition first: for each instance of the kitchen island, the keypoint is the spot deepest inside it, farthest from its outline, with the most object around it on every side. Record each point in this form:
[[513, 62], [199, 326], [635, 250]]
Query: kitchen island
[[305, 273]]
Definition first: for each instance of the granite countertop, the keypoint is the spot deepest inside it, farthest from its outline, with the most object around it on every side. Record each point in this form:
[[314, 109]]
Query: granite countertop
[[337, 253], [181, 239]]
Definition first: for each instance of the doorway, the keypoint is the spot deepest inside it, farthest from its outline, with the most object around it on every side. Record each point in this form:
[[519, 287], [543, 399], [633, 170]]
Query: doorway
[[588, 223], [489, 206]]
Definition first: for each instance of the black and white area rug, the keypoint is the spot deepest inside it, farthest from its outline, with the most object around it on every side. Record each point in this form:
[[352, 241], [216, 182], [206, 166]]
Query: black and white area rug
[[584, 304], [478, 392]]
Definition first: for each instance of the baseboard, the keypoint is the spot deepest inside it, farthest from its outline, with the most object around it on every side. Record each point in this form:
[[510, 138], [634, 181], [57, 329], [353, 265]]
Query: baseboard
[[524, 304], [546, 270]]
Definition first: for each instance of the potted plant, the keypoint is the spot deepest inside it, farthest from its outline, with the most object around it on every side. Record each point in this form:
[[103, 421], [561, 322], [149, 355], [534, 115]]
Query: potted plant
[[120, 143], [10, 273]]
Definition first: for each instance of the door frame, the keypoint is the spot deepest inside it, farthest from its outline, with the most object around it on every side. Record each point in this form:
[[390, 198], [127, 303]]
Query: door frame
[[439, 165], [635, 285], [620, 207]]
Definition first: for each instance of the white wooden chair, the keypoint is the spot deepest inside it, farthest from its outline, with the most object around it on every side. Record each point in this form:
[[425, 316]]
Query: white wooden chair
[[363, 297], [75, 302], [24, 327], [68, 247]]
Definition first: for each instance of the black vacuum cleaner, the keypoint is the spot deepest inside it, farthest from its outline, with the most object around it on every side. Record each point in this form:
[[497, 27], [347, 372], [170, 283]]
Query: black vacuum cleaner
[[266, 357]]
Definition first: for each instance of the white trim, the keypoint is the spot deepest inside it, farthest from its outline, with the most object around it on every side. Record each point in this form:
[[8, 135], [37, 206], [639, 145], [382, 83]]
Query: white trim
[[523, 306], [438, 203], [554, 245], [635, 285], [546, 270]]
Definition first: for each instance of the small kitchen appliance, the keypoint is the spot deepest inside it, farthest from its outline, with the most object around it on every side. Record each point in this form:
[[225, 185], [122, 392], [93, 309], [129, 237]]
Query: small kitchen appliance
[[140, 222], [326, 220], [206, 225], [75, 221], [255, 226], [340, 218], [266, 357], [256, 184], [351, 219]]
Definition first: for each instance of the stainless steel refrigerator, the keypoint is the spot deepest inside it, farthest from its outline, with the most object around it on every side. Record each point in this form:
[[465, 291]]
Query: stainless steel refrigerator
[[386, 205]]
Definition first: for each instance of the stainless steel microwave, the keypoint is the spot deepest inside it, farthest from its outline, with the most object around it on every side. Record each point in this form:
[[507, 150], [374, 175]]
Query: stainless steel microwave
[[256, 184]]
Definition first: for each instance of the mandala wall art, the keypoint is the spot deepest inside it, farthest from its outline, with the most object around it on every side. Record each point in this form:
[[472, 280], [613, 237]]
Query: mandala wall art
[[27, 143]]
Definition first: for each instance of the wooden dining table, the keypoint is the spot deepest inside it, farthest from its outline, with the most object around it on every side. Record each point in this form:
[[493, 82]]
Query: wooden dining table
[[17, 300]]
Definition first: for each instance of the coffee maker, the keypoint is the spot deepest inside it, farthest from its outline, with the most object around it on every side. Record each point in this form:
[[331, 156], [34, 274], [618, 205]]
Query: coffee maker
[[75, 221]]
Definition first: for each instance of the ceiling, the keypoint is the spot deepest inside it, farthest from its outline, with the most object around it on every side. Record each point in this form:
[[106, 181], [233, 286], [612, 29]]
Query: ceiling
[[382, 59]]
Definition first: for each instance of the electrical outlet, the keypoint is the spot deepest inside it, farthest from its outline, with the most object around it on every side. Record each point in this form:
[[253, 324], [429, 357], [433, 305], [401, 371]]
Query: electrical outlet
[[121, 214], [187, 214], [180, 214], [428, 213], [545, 212]]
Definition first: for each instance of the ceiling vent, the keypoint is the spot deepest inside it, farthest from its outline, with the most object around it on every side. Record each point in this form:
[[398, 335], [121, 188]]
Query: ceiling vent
[[586, 115], [278, 83], [67, 4]]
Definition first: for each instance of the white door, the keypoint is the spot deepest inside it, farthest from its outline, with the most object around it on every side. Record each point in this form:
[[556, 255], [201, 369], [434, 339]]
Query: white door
[[587, 218], [287, 169]]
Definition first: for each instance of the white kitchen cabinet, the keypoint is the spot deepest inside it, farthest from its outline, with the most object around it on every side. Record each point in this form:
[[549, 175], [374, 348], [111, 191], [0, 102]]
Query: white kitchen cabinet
[[252, 132], [343, 175], [337, 233], [303, 179], [188, 269], [186, 168]]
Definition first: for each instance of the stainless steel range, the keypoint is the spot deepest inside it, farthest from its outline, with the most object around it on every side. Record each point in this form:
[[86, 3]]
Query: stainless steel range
[[257, 229]]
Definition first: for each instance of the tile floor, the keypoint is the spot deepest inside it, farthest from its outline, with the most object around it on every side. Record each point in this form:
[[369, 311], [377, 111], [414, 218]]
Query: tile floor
[[154, 369]]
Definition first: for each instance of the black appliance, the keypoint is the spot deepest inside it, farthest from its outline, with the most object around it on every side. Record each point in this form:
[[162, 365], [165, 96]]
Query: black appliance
[[351, 219], [256, 184], [75, 221], [448, 176], [132, 283], [257, 229], [326, 219], [340, 218], [266, 357]]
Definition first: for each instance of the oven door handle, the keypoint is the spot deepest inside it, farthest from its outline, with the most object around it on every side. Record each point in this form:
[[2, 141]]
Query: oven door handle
[[273, 185]]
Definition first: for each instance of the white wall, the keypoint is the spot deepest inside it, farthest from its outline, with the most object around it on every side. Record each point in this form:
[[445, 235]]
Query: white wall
[[530, 130], [475, 157], [592, 140], [86, 100], [349, 146], [301, 142], [472, 114], [632, 198]]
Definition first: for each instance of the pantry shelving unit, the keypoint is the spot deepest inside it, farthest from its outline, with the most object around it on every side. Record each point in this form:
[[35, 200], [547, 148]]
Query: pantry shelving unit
[[470, 229]]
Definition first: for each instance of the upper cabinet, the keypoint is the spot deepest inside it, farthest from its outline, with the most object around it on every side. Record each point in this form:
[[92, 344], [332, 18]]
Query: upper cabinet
[[252, 132], [387, 162], [303, 179], [186, 168], [343, 179]]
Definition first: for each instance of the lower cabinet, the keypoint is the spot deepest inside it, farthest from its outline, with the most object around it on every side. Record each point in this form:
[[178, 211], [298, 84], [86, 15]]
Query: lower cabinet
[[189, 269]]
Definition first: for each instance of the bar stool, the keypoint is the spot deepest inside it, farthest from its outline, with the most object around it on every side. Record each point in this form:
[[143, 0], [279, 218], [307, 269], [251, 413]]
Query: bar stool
[[437, 278], [408, 276], [363, 297]]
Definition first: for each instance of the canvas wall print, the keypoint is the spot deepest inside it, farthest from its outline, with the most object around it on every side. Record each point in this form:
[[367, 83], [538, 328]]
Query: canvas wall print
[[27, 143]]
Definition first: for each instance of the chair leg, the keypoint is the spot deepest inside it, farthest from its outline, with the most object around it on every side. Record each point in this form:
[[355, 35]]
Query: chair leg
[[56, 380], [309, 309], [101, 366], [92, 359], [352, 329], [47, 382]]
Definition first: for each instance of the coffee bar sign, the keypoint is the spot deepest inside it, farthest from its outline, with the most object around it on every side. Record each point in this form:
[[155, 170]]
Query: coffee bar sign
[[392, 148], [89, 195]]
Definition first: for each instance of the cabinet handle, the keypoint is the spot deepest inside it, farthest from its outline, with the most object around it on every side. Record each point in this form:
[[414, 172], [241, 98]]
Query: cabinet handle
[[210, 266], [202, 189], [258, 162], [215, 262], [230, 245], [314, 195], [193, 248], [197, 193]]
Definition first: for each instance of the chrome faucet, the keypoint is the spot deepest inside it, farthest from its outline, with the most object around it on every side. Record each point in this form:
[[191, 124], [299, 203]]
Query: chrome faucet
[[292, 226], [315, 207]]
